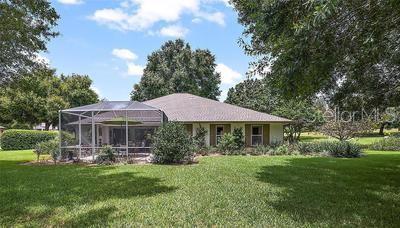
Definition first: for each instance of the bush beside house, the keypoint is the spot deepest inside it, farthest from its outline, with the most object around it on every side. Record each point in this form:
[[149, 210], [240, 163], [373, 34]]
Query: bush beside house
[[172, 144], [24, 139]]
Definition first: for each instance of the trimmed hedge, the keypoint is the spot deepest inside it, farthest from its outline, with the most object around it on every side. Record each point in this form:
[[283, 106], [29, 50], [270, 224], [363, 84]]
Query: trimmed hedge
[[14, 139]]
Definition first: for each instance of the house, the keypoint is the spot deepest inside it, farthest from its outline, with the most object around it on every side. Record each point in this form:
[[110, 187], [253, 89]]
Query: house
[[219, 118], [42, 127], [128, 125]]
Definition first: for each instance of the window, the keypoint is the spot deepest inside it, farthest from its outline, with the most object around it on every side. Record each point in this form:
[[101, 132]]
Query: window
[[256, 135], [220, 132]]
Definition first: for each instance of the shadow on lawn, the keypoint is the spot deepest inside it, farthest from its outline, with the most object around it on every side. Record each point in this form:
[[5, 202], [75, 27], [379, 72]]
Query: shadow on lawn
[[33, 193], [329, 191]]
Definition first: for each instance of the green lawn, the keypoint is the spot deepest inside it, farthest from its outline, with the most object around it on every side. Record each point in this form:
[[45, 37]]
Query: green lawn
[[226, 190]]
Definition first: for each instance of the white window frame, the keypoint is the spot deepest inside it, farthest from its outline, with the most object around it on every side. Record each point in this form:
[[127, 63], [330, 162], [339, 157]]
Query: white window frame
[[262, 134], [216, 133]]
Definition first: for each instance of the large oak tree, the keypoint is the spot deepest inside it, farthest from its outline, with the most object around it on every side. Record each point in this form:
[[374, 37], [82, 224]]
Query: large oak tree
[[312, 45], [176, 68]]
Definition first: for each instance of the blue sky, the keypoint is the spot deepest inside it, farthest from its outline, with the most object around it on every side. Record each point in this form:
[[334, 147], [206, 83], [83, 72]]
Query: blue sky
[[110, 39]]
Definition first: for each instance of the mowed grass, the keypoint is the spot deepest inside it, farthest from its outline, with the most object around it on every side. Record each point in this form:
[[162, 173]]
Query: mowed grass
[[226, 190]]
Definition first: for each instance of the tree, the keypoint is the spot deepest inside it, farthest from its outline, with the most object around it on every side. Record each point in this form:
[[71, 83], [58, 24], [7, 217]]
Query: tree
[[76, 90], [175, 68], [33, 98], [38, 96], [344, 130], [311, 45], [303, 114], [376, 91], [25, 28], [253, 94]]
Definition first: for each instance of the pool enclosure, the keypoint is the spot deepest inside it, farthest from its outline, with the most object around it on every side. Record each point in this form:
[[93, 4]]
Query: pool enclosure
[[126, 126]]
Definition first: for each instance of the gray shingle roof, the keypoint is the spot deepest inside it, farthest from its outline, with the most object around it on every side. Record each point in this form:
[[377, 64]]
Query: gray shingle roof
[[190, 108]]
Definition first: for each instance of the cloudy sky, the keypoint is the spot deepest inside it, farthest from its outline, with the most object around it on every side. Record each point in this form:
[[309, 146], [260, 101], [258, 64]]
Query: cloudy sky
[[110, 39]]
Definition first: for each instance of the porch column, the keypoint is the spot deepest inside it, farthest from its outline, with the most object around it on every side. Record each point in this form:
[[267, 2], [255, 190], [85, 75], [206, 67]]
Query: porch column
[[80, 137], [93, 138], [126, 133]]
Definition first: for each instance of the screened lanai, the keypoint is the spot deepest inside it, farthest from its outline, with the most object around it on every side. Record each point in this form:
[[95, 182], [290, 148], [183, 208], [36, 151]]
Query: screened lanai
[[126, 126]]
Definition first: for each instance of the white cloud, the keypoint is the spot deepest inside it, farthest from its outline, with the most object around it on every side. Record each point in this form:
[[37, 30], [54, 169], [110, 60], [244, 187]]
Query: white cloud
[[135, 70], [124, 54], [139, 15], [70, 2], [196, 20], [224, 95], [113, 18], [129, 57], [228, 76], [96, 90], [216, 17], [174, 31]]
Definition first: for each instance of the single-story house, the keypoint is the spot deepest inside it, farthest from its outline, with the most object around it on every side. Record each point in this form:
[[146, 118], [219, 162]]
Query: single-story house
[[219, 118], [128, 125]]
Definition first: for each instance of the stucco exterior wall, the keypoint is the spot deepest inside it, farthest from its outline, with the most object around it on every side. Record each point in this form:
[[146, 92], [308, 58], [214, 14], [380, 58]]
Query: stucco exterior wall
[[276, 130], [276, 133]]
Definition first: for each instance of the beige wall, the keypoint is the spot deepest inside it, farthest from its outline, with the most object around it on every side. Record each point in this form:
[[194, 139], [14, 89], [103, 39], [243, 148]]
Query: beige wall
[[275, 133], [276, 130]]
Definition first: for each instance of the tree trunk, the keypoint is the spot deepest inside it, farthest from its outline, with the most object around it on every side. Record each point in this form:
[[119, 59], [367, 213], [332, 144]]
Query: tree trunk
[[382, 128], [47, 126]]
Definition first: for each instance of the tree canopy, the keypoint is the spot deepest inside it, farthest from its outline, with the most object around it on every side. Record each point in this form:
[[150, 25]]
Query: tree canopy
[[36, 97], [25, 28], [175, 68], [313, 46], [254, 94], [304, 115]]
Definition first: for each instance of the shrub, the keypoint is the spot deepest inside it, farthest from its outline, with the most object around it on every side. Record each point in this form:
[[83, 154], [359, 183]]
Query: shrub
[[281, 150], [24, 139], [172, 144], [238, 138], [227, 145], [260, 150], [39, 150], [200, 138], [68, 139], [331, 148], [390, 143], [106, 155], [395, 134], [50, 147]]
